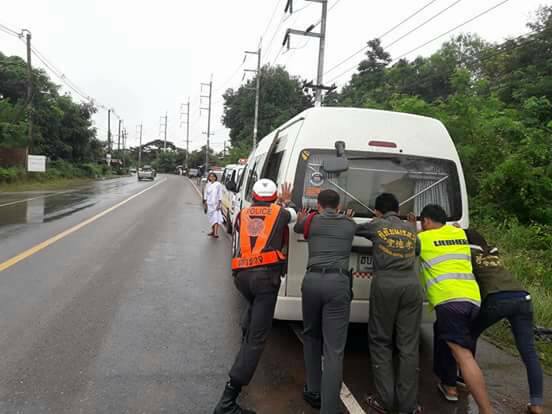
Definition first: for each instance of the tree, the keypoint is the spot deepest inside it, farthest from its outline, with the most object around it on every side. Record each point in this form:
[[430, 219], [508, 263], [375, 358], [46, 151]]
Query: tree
[[281, 98], [62, 128]]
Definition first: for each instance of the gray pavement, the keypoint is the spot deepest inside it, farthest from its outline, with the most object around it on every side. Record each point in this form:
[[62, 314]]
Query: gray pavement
[[136, 313]]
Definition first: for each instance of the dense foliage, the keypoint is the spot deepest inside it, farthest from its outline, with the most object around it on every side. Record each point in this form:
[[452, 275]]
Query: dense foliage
[[62, 128], [281, 98]]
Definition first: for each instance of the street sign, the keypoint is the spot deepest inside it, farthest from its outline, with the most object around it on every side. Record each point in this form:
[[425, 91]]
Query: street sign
[[36, 163]]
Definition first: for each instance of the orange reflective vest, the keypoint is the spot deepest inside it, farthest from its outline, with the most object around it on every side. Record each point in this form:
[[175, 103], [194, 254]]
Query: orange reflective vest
[[257, 221]]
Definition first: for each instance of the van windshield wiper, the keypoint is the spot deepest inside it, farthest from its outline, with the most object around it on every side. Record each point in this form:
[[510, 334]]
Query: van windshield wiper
[[347, 193], [424, 190]]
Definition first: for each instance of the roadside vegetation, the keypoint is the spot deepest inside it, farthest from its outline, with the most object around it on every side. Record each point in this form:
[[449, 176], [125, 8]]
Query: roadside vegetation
[[496, 102], [62, 130]]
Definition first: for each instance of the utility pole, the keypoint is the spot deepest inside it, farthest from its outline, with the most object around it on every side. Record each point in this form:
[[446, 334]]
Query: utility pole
[[163, 124], [109, 131], [29, 90], [187, 122], [119, 137], [319, 86], [140, 149], [208, 109], [257, 91]]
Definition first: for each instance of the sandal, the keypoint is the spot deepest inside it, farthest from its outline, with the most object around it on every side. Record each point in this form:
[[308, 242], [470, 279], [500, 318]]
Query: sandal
[[375, 405], [210, 234], [532, 409], [449, 393]]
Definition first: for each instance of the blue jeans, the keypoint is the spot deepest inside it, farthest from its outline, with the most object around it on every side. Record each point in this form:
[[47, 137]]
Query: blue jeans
[[517, 308]]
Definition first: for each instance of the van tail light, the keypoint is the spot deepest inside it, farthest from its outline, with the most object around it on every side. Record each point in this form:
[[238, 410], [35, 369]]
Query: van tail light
[[384, 144]]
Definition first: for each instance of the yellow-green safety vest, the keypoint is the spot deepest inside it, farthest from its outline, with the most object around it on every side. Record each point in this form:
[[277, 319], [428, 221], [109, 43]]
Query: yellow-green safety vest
[[446, 266]]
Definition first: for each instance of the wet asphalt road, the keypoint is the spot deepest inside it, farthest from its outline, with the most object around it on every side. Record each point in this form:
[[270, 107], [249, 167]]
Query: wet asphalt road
[[136, 313]]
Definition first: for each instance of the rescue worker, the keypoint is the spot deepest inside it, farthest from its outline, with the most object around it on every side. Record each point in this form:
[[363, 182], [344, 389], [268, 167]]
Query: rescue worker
[[505, 298], [257, 266], [326, 300], [452, 290], [395, 309]]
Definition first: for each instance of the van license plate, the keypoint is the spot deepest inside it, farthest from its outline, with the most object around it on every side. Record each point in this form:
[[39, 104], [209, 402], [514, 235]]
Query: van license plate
[[365, 264]]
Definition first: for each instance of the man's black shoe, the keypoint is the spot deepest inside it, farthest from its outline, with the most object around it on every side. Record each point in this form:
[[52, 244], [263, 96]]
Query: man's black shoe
[[312, 398], [228, 404]]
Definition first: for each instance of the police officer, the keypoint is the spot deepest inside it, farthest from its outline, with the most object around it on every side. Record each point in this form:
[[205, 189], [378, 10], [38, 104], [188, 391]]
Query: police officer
[[326, 300], [395, 308], [452, 290], [257, 266]]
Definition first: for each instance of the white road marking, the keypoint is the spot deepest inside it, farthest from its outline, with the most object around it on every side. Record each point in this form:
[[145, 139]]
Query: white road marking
[[41, 246]]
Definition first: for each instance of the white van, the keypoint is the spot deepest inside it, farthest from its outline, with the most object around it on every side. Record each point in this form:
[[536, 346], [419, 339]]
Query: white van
[[410, 156], [230, 178]]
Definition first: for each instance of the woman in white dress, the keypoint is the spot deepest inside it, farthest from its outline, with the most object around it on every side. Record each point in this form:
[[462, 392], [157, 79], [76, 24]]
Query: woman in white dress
[[213, 203]]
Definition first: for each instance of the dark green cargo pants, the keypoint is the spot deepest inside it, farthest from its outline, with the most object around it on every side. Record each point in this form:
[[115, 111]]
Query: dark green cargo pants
[[394, 328]]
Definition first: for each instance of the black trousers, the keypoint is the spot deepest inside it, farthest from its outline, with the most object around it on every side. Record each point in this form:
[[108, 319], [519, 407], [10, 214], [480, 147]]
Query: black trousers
[[260, 289]]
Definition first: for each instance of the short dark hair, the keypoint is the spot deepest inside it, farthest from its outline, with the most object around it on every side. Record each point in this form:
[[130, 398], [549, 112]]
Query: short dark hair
[[435, 213], [387, 202], [212, 174], [328, 199]]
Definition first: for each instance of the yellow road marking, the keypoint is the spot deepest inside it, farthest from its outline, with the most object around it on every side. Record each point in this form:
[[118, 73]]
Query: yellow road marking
[[41, 246]]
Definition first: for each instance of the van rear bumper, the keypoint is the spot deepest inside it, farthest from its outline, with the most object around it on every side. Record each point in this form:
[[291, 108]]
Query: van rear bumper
[[289, 309]]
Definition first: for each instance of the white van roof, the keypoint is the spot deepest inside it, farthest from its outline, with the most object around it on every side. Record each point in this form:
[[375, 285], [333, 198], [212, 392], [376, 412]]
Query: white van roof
[[413, 134]]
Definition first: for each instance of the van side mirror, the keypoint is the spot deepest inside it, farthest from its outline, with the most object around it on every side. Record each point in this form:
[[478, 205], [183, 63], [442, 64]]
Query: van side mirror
[[338, 164]]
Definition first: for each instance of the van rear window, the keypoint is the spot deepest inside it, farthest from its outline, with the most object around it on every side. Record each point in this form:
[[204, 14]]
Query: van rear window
[[415, 181]]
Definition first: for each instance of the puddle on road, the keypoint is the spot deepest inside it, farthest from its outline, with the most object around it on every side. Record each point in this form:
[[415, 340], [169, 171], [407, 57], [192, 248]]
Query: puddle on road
[[44, 209]]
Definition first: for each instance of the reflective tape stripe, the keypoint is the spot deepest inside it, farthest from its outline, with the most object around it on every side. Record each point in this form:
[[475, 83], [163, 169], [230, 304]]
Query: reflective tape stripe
[[449, 276], [444, 258], [476, 247]]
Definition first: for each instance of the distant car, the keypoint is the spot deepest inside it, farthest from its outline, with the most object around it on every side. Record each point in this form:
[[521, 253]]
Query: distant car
[[193, 172], [146, 173], [133, 170]]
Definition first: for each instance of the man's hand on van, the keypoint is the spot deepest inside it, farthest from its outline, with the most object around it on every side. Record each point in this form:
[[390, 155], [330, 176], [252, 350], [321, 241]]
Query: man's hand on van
[[348, 213], [411, 218], [285, 193], [302, 214]]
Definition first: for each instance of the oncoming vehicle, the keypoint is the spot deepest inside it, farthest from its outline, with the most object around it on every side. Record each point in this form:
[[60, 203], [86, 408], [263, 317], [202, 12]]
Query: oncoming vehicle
[[146, 173], [230, 179], [359, 153], [193, 172]]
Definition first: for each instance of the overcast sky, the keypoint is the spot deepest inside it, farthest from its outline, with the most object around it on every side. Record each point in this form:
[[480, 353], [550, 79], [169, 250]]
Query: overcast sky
[[145, 58]]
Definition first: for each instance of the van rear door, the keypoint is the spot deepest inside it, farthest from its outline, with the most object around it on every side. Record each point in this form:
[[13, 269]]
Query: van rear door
[[415, 181]]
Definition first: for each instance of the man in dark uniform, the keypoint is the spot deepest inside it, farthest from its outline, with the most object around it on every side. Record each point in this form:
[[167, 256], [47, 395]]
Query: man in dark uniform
[[503, 297], [395, 308], [326, 301], [257, 266]]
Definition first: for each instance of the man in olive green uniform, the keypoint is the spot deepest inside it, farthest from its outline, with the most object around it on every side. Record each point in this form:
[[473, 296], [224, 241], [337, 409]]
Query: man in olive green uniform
[[504, 298], [395, 308]]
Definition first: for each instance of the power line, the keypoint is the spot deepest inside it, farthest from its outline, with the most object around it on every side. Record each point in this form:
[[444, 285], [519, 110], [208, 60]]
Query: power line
[[455, 28], [271, 18], [381, 36], [433, 39], [9, 31], [422, 24]]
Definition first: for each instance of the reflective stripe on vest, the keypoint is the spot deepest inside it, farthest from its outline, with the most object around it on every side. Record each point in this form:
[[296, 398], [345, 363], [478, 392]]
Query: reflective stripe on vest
[[446, 257], [449, 276], [446, 266], [258, 222]]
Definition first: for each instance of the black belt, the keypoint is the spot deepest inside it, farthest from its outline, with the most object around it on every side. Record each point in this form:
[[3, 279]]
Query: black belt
[[320, 269]]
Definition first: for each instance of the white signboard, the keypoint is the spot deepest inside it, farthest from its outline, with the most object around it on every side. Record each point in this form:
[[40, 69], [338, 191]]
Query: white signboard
[[36, 163]]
